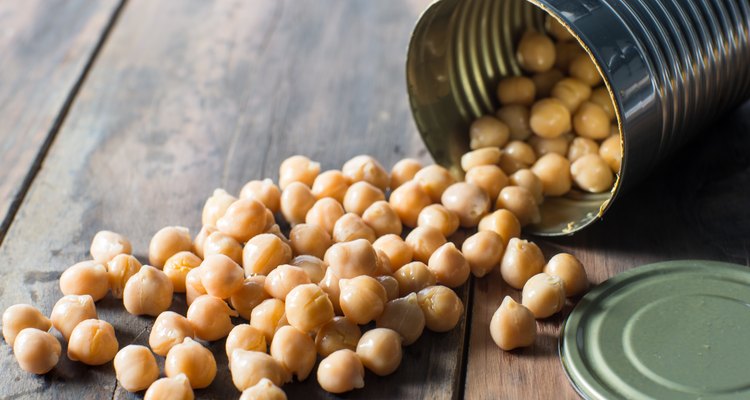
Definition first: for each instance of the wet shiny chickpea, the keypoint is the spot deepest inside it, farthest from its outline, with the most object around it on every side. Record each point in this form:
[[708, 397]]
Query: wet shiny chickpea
[[352, 259], [193, 360], [383, 219], [580, 146], [368, 169], [200, 239], [601, 97], [295, 351], [244, 219], [441, 307], [86, 277], [565, 52], [268, 317], [516, 90], [324, 213], [449, 266], [149, 292], [556, 29], [519, 151], [169, 330], [543, 295], [554, 172], [245, 337], [250, 294], [92, 342], [250, 367], [520, 201], [308, 307], [221, 243], [309, 239], [391, 286], [177, 267], [582, 67], [570, 270], [408, 200], [489, 178], [119, 270], [283, 279], [405, 316], [545, 81], [221, 276], [68, 312], [572, 93], [314, 267], [516, 118], [193, 286], [403, 171], [413, 277], [337, 334], [424, 240], [550, 118], [512, 326], [521, 261], [296, 200], [502, 222], [592, 174], [167, 242], [380, 351], [361, 195], [21, 316], [483, 156], [216, 206], [330, 286], [351, 227], [342, 371], [265, 252], [535, 52], [434, 179], [107, 244], [36, 351], [468, 201], [591, 121], [135, 368], [611, 152], [263, 390], [298, 168], [527, 179], [488, 131], [210, 317], [483, 251], [264, 191], [176, 388], [332, 184], [362, 299], [398, 252], [440, 218]]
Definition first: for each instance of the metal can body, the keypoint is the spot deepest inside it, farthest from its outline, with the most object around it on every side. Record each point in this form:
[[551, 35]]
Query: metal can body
[[671, 66]]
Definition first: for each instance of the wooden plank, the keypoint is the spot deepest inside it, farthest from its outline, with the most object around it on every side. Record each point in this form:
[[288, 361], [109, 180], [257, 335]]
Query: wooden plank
[[694, 208], [187, 96], [45, 48]]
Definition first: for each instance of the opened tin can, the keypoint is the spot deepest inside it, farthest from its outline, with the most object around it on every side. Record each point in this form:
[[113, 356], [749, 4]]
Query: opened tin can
[[671, 67]]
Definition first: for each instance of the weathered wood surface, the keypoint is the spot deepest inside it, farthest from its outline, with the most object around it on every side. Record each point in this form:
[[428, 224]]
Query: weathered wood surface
[[45, 47]]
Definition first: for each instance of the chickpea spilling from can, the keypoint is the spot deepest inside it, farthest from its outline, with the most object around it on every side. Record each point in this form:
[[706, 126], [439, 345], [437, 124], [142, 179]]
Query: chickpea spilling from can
[[368, 262]]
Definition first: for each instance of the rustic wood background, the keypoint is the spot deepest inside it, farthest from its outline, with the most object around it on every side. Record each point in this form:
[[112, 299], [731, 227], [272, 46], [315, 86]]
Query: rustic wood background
[[126, 114]]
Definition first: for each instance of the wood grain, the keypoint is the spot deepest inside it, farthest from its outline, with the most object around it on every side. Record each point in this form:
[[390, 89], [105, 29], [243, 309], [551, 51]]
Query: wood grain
[[45, 47]]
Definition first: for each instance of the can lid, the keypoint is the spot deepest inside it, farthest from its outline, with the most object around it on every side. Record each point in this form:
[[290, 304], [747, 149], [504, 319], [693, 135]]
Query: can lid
[[669, 330]]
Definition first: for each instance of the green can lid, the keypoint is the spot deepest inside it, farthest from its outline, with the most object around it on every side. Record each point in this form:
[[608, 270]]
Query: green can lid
[[671, 330]]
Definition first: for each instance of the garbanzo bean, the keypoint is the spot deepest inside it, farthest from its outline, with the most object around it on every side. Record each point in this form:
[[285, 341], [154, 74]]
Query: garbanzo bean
[[250, 367], [424, 240], [135, 368], [193, 286], [449, 266], [193, 360], [404, 316], [535, 52], [384, 264], [611, 152], [570, 271], [36, 351], [282, 279], [382, 218], [580, 146], [512, 326], [149, 292], [516, 118], [265, 252], [331, 184], [341, 371], [380, 350], [264, 191], [543, 146], [68, 312], [368, 169], [216, 206], [119, 270], [502, 222], [92, 342], [294, 350], [210, 317], [521, 261], [582, 67], [296, 200], [489, 178], [545, 81], [263, 390], [309, 239], [408, 200], [314, 267], [308, 307], [572, 93], [434, 179], [338, 333], [441, 307], [177, 267], [169, 330], [592, 174], [250, 294], [543, 295], [298, 169], [488, 131], [520, 201], [221, 243], [351, 227], [324, 213], [176, 388], [352, 259], [520, 152], [565, 52], [330, 286], [556, 29], [413, 277], [398, 252], [85, 277], [440, 218], [550, 118], [245, 337], [390, 284], [21, 316], [200, 239], [554, 172], [516, 90], [468, 201], [221, 276], [404, 171], [361, 195], [483, 251], [362, 298], [268, 317], [167, 242], [244, 219], [591, 121], [107, 244], [601, 97], [527, 179], [483, 156]]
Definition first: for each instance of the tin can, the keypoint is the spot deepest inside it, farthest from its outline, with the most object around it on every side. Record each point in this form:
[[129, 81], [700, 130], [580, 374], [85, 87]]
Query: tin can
[[671, 66]]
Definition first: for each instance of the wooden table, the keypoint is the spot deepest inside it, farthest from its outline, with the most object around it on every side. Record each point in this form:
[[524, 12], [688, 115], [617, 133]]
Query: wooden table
[[125, 115]]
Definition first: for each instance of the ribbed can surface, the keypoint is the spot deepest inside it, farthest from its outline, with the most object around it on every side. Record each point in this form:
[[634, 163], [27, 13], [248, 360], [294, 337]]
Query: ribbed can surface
[[671, 66]]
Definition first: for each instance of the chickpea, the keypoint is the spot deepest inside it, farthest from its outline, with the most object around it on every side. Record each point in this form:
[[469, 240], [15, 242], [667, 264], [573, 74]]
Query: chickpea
[[361, 195], [276, 231], [543, 146], [193, 286], [424, 240], [488, 131], [468, 201], [543, 295], [434, 179], [169, 330], [176, 388], [250, 367], [135, 368], [520, 151], [483, 251], [167, 242], [119, 270], [86, 277], [408, 200], [554, 172], [368, 169], [527, 179], [557, 29], [308, 307], [441, 307], [296, 200], [570, 271], [221, 276], [244, 219], [611, 152], [37, 351], [295, 351], [200, 239], [298, 169], [449, 265], [516, 90], [270, 221], [92, 342], [263, 390], [582, 67], [268, 317], [210, 317], [68, 312], [245, 337], [21, 316], [535, 52], [263, 253], [351, 227], [592, 174], [601, 97], [413, 277], [216, 206], [332, 184], [566, 52], [489, 178], [398, 252], [362, 299], [403, 171], [512, 325], [404, 316], [380, 351], [483, 156], [148, 292], [440, 218], [221, 243], [520, 201], [341, 372], [545, 81], [250, 294], [591, 121], [309, 239], [572, 93], [193, 360], [324, 213], [516, 118], [314, 267], [177, 267], [550, 118], [107, 244], [390, 284], [283, 279], [502, 222], [521, 261], [382, 218], [351, 259], [330, 286], [264, 191], [580, 147], [338, 333]]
